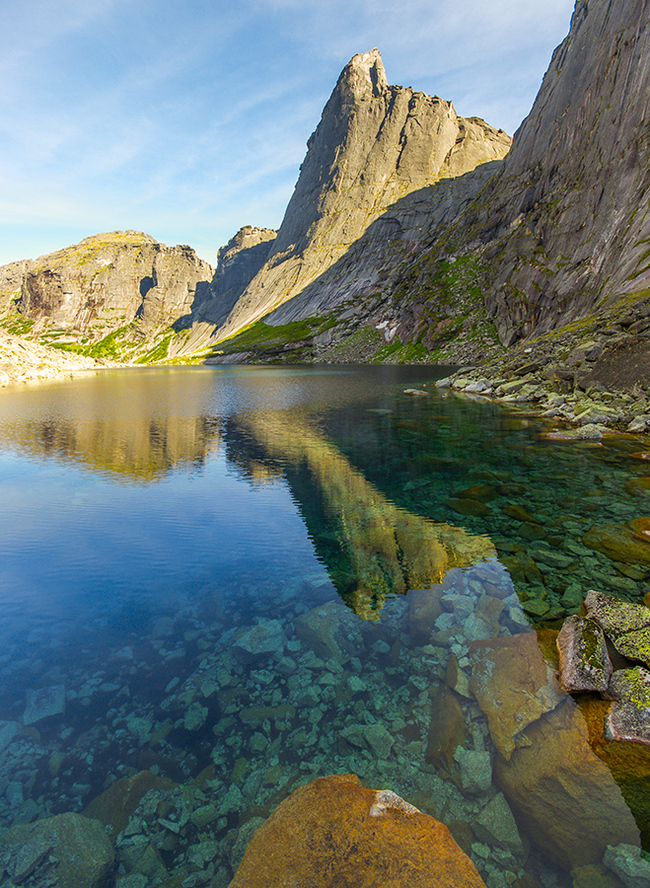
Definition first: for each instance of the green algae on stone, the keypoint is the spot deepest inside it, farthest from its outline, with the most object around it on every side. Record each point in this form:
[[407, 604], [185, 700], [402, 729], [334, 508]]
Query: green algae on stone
[[584, 661], [629, 717], [616, 617]]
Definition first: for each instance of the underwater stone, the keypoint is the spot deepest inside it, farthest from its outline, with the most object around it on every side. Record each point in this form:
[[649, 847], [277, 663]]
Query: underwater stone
[[496, 825], [512, 684], [380, 740], [475, 770], [266, 639], [629, 717], [79, 853], [311, 834], [584, 661], [195, 717], [44, 703], [562, 793], [626, 861], [330, 630]]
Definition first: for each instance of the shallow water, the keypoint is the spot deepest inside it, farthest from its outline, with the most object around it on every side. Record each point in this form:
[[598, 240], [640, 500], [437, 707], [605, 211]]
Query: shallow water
[[151, 519]]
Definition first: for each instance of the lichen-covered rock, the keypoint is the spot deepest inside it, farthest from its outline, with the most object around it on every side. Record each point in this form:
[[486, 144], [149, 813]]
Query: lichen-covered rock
[[333, 831], [66, 851], [629, 717], [584, 661], [626, 625]]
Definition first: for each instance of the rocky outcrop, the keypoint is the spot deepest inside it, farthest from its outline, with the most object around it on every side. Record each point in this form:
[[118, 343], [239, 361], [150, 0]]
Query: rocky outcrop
[[333, 831], [106, 282], [374, 145], [561, 231], [237, 264]]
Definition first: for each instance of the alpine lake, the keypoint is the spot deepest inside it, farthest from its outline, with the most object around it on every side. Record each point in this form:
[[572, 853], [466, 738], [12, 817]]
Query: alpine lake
[[219, 583]]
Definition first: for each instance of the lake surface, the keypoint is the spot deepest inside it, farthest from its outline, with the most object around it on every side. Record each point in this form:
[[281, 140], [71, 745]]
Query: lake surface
[[239, 579]]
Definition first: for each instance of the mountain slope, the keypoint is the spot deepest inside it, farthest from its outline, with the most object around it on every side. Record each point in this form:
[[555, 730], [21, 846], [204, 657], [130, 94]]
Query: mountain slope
[[374, 145]]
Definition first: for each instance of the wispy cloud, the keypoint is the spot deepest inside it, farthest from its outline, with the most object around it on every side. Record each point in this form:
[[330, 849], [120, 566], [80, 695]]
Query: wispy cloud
[[189, 120]]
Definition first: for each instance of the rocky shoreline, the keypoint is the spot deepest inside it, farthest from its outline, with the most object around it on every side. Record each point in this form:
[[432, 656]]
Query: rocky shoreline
[[23, 360], [556, 393]]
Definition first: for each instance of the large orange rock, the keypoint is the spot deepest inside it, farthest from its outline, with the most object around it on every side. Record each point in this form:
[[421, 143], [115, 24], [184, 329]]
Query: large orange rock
[[563, 794], [334, 832]]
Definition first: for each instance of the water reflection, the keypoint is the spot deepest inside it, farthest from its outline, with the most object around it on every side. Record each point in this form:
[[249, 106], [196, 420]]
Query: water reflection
[[379, 549], [223, 669]]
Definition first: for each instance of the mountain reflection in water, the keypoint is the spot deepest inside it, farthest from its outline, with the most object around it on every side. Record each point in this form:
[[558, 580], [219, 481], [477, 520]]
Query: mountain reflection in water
[[185, 559]]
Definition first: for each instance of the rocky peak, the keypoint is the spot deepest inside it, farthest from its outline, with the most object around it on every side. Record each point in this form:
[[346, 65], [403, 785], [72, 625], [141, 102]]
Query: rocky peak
[[246, 238], [363, 78], [374, 144]]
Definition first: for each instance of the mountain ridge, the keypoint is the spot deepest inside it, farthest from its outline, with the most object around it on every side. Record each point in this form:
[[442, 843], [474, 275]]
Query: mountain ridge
[[413, 234]]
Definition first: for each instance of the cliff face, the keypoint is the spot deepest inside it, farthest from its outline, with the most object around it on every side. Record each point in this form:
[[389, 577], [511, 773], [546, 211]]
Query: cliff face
[[374, 145], [562, 231], [106, 282], [237, 264], [571, 203]]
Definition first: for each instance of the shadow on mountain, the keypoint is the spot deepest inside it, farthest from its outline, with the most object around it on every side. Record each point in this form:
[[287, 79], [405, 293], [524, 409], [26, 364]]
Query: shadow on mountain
[[368, 269]]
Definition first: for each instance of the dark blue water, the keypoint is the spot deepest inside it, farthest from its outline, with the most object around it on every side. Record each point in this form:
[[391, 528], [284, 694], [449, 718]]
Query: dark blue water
[[211, 572]]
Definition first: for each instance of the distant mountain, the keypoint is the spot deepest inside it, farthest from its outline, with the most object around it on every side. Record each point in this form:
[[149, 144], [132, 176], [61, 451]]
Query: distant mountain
[[417, 235], [112, 295]]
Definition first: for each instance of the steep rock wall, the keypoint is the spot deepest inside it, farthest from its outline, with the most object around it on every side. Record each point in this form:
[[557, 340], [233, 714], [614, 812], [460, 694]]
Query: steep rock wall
[[563, 230], [109, 280], [374, 145]]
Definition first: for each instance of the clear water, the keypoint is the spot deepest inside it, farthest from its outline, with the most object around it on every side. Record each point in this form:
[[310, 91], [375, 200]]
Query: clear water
[[150, 519]]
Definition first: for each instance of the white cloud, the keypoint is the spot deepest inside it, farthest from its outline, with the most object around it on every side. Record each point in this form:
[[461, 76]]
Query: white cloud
[[189, 120]]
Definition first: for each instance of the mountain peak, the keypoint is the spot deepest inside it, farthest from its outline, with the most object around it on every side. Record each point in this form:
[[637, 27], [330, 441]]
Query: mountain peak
[[364, 77]]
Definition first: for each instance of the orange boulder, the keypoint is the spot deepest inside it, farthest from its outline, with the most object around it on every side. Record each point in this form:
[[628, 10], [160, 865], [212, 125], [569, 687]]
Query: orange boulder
[[335, 832]]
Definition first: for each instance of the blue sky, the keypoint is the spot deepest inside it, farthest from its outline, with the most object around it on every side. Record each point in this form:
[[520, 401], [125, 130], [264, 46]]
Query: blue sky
[[189, 119]]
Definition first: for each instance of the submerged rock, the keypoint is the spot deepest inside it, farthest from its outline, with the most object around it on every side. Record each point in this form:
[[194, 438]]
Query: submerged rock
[[66, 851], [115, 805], [264, 640], [330, 630], [513, 685], [43, 703], [335, 831], [584, 661], [563, 793], [626, 861]]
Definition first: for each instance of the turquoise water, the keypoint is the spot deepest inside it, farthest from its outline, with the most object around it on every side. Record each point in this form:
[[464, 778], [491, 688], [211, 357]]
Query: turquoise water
[[242, 578]]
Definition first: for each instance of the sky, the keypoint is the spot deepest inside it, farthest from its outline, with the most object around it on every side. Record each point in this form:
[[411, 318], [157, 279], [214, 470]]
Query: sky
[[188, 119]]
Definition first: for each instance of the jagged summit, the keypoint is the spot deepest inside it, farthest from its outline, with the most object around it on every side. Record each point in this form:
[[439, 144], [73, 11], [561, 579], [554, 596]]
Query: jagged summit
[[374, 144], [364, 77]]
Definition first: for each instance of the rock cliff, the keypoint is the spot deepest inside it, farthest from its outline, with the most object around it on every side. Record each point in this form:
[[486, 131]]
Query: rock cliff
[[374, 145], [106, 283], [561, 233], [549, 246]]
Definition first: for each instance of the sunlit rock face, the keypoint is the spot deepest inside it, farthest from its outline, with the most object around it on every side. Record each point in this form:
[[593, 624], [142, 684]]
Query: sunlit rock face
[[564, 223], [109, 280], [374, 145]]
